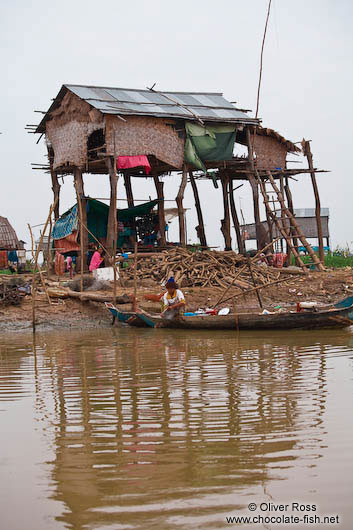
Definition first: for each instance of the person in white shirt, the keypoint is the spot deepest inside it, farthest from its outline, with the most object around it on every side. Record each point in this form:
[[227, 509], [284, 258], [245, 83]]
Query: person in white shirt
[[173, 300]]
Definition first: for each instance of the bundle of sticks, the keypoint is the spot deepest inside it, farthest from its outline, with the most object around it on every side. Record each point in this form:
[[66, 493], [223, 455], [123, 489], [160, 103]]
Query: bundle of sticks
[[202, 269], [9, 295]]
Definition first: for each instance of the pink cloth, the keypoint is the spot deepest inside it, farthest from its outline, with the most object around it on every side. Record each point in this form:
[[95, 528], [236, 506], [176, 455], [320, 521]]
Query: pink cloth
[[69, 263], [125, 162], [95, 261]]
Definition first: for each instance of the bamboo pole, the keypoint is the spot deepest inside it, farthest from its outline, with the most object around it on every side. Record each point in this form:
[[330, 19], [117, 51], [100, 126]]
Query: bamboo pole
[[134, 303], [201, 227], [241, 246], [34, 270], [225, 223], [81, 235], [307, 152], [161, 215], [245, 293], [254, 185], [38, 266], [179, 200]]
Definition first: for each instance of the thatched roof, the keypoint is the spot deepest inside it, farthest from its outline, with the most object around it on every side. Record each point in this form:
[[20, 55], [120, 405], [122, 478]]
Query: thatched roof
[[8, 237]]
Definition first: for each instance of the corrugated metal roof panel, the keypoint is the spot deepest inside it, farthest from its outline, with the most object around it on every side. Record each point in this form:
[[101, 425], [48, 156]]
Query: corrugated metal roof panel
[[208, 106]]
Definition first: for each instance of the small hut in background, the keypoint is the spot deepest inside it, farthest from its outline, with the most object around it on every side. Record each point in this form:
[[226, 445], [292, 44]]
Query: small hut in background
[[8, 237], [306, 220], [146, 133]]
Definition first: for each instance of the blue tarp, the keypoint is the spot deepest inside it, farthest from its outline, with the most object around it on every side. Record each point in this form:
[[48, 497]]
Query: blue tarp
[[66, 224]]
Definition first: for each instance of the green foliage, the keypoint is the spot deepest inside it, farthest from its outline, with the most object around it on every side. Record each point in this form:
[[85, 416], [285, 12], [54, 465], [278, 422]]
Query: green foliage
[[337, 259]]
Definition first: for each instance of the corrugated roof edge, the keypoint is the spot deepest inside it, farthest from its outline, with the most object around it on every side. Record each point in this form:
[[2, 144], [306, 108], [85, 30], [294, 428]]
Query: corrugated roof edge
[[144, 90], [41, 127]]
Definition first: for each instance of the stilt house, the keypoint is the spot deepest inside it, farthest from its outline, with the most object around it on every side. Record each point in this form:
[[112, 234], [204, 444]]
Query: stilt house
[[139, 133]]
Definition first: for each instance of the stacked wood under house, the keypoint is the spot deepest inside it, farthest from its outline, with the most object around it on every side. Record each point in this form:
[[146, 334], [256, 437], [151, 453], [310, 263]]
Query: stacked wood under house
[[148, 134]]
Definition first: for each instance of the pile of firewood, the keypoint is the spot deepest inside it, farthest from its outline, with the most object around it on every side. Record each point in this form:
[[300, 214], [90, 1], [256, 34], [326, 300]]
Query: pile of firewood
[[9, 295], [201, 269]]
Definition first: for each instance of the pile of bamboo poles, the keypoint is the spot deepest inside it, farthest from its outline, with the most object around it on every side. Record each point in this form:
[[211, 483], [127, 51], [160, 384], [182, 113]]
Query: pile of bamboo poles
[[202, 269]]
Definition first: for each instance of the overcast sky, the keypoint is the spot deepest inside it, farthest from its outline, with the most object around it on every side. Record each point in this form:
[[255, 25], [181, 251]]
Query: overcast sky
[[198, 45]]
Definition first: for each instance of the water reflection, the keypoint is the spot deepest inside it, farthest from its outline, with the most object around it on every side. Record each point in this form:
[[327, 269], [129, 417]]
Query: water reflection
[[171, 430]]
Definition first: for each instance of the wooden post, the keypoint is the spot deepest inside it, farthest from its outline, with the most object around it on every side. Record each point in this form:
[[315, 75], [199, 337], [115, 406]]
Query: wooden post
[[55, 186], [285, 223], [56, 192], [112, 229], [112, 216], [128, 188], [254, 187], [82, 211], [291, 209], [241, 246], [134, 303], [35, 266], [161, 216], [307, 152], [225, 223], [179, 200], [201, 227]]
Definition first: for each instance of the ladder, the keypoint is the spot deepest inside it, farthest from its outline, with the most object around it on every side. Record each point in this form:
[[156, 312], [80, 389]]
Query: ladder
[[286, 221]]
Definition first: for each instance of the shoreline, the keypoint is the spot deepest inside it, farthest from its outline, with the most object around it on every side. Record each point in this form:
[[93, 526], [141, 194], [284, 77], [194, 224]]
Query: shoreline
[[328, 287]]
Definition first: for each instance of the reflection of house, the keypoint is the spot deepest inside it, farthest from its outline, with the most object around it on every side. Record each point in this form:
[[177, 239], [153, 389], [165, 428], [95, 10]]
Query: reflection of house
[[306, 220]]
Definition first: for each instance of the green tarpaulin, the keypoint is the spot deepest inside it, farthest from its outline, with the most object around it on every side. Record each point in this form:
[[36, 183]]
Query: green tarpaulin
[[210, 142], [97, 218]]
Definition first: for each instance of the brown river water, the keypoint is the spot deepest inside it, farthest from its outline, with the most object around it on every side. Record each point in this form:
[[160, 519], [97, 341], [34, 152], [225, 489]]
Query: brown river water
[[154, 429]]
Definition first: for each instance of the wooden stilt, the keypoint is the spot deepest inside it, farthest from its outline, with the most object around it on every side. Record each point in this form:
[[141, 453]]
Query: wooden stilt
[[254, 187], [307, 152], [201, 227], [225, 223], [291, 209], [179, 200], [112, 216], [161, 216], [112, 229], [241, 246], [128, 188], [285, 222], [56, 192], [55, 187], [82, 211], [134, 303]]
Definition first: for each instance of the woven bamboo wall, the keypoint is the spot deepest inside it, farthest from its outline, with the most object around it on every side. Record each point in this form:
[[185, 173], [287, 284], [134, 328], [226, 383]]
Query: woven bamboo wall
[[270, 153], [75, 120], [144, 135], [69, 141], [69, 128]]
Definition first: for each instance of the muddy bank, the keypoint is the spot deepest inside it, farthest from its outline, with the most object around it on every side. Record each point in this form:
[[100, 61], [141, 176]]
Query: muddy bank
[[70, 313]]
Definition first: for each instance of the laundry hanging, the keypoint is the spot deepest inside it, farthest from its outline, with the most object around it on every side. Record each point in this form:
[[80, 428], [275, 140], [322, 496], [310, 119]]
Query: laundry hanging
[[126, 162]]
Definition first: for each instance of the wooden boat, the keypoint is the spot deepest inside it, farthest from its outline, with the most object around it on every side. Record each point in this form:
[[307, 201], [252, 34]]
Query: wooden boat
[[338, 315]]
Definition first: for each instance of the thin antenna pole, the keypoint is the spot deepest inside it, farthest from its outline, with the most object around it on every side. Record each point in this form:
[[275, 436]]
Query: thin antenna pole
[[261, 58]]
